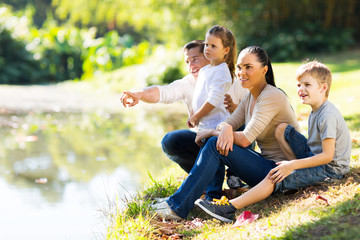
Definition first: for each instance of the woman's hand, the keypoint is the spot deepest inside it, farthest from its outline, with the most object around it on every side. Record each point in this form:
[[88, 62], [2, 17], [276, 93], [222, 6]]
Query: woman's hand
[[229, 104], [203, 134], [225, 140], [280, 172], [192, 121]]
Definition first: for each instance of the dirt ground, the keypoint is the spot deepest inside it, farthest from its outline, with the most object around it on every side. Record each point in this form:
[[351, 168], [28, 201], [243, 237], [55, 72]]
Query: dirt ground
[[56, 98]]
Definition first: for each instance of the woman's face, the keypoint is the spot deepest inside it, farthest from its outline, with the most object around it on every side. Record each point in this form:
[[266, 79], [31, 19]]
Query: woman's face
[[250, 71]]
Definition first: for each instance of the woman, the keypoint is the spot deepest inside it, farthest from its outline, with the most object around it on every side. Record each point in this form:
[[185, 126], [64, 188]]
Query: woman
[[261, 110]]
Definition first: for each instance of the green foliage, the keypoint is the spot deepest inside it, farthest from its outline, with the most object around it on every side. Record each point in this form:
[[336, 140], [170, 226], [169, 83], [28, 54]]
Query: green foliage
[[61, 52], [125, 226], [285, 29], [160, 189], [17, 65], [112, 52], [123, 33]]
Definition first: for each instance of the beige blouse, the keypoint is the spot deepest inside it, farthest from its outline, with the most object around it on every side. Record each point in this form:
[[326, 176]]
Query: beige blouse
[[271, 109]]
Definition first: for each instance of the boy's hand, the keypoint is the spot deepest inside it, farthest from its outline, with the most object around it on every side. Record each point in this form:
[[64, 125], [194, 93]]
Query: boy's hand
[[280, 172]]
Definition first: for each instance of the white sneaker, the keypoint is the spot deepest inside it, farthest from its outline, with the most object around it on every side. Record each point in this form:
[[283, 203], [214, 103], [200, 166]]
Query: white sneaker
[[164, 211], [159, 200]]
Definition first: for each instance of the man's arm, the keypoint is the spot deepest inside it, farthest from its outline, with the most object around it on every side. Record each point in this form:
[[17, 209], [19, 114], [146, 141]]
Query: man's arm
[[149, 95]]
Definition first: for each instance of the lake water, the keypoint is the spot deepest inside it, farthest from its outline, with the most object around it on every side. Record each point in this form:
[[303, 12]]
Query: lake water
[[59, 173]]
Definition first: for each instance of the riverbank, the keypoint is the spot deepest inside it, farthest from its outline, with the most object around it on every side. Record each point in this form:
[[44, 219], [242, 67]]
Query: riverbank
[[62, 97]]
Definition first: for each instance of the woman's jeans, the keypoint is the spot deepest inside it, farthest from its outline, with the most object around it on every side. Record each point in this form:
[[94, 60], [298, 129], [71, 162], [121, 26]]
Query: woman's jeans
[[249, 165], [180, 147]]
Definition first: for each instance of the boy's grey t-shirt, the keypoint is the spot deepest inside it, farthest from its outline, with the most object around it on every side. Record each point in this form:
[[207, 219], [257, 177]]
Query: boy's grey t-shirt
[[327, 122]]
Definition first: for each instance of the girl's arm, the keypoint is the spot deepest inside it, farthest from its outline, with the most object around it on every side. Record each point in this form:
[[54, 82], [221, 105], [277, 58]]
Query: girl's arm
[[284, 168], [195, 118]]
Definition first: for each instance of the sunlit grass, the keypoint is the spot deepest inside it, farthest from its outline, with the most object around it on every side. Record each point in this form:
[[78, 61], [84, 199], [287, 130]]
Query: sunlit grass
[[344, 91]]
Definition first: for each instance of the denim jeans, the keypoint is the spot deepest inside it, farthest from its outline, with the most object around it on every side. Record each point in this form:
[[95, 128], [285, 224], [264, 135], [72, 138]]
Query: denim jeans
[[306, 176], [180, 147], [247, 164]]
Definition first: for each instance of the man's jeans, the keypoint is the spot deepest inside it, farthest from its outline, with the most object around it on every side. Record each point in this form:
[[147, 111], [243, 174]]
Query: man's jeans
[[247, 164], [180, 147]]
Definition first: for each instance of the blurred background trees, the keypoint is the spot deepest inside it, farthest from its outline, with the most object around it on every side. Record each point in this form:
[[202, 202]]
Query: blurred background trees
[[44, 41]]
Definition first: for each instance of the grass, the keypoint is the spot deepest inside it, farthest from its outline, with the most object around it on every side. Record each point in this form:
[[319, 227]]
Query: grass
[[299, 215]]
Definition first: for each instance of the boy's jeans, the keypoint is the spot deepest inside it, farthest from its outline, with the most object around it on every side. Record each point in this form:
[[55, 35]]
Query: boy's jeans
[[306, 176]]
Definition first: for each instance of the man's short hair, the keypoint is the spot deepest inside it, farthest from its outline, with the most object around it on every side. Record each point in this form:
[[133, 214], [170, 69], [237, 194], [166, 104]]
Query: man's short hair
[[318, 71], [194, 44]]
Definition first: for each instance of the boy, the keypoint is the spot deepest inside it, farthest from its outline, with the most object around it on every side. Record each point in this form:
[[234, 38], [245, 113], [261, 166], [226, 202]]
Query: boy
[[324, 155]]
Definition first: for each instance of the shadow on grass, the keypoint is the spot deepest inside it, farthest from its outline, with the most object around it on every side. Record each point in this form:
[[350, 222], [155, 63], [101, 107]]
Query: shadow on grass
[[276, 202], [341, 221]]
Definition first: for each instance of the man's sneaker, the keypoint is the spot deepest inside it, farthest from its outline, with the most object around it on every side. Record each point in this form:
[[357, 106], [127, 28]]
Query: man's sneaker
[[159, 200], [234, 182], [219, 209], [164, 211]]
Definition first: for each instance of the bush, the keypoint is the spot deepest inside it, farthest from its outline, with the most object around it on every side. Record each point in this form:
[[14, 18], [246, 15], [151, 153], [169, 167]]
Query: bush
[[17, 65]]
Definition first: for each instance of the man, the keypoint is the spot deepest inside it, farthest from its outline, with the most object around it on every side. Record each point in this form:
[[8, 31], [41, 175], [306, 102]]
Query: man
[[179, 145]]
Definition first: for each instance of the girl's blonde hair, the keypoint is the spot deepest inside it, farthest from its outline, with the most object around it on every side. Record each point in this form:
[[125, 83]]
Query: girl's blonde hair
[[228, 40]]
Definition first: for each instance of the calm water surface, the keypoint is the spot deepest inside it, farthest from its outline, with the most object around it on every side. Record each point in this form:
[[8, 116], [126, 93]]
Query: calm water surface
[[59, 173]]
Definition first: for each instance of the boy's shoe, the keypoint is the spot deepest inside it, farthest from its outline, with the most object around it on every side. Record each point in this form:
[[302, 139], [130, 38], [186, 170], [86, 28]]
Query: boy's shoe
[[164, 211], [235, 182], [159, 200], [219, 209]]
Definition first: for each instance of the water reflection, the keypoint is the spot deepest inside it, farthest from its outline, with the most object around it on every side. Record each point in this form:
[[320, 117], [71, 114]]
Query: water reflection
[[58, 170]]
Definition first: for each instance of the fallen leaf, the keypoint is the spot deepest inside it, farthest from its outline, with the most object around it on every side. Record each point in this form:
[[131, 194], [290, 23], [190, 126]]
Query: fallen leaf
[[175, 236], [245, 218], [165, 228], [196, 223], [323, 199]]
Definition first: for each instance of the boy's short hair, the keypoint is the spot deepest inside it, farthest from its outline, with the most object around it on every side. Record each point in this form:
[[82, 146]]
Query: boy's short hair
[[194, 44], [318, 71]]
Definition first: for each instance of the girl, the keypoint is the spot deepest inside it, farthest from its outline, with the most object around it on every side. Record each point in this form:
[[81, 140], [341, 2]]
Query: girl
[[214, 80]]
